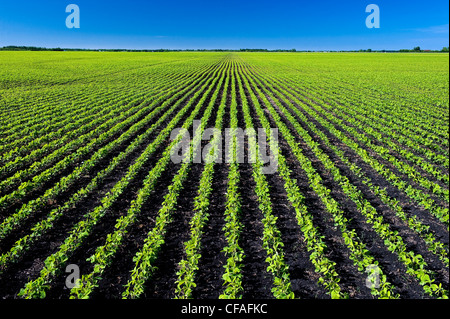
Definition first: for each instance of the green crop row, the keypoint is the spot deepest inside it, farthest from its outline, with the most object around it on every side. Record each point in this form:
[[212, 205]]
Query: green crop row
[[316, 246], [232, 276], [414, 193], [27, 209], [188, 266], [414, 262], [359, 253], [37, 287], [71, 128], [40, 228], [272, 242], [144, 259], [433, 244]]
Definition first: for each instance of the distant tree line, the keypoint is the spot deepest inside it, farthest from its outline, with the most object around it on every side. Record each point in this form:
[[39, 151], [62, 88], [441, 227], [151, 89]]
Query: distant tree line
[[28, 48], [418, 49], [32, 48]]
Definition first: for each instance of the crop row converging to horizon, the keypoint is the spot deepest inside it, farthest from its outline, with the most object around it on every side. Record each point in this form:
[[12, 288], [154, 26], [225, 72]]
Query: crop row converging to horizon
[[356, 207]]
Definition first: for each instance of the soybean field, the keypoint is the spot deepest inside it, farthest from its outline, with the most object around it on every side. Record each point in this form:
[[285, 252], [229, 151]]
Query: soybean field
[[93, 205]]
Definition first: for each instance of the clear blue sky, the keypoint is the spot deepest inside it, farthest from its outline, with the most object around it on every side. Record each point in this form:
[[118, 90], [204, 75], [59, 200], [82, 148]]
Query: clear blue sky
[[233, 24]]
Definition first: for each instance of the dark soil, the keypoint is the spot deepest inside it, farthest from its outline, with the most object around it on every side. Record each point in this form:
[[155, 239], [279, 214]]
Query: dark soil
[[257, 282], [18, 274], [407, 286]]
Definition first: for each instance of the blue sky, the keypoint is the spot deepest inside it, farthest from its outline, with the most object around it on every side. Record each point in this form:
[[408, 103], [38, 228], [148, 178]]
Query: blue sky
[[231, 24]]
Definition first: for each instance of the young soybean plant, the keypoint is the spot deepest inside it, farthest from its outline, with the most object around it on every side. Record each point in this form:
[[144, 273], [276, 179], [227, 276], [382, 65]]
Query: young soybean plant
[[271, 235], [189, 265], [232, 276], [145, 258]]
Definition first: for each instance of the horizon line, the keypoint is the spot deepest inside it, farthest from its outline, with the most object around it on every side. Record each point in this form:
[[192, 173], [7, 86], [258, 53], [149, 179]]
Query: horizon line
[[35, 48]]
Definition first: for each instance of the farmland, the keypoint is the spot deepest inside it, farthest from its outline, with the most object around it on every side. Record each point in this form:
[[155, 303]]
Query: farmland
[[357, 208]]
